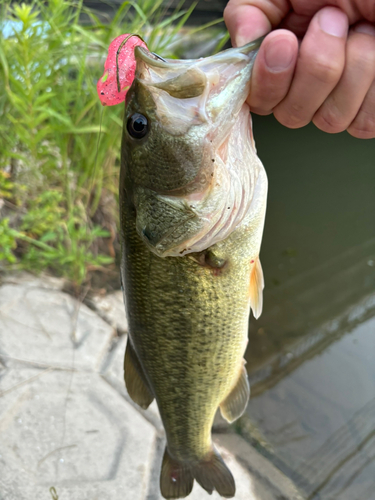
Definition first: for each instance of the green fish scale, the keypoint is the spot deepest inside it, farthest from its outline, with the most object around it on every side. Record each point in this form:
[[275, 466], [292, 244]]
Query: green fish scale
[[188, 324]]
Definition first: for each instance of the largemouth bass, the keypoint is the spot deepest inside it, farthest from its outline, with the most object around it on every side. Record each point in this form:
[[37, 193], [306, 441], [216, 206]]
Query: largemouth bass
[[192, 208]]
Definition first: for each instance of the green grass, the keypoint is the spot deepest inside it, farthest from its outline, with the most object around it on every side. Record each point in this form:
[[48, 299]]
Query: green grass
[[55, 174]]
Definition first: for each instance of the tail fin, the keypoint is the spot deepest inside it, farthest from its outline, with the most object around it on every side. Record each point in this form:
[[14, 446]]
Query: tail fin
[[213, 474], [176, 478]]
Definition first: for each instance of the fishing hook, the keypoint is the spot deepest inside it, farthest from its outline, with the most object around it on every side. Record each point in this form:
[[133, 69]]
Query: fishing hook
[[159, 57], [117, 54]]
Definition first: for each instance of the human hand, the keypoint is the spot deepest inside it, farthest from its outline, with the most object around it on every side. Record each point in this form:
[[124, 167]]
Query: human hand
[[326, 75]]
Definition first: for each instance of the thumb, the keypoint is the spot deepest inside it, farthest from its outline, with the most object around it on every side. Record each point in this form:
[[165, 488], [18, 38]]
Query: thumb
[[246, 22]]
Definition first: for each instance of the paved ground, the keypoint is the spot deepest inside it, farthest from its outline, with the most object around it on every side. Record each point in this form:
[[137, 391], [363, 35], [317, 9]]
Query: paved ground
[[66, 421]]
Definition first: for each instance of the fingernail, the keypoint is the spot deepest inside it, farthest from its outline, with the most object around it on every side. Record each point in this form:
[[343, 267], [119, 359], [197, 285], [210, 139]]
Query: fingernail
[[279, 55], [333, 22], [246, 34], [239, 41], [365, 28]]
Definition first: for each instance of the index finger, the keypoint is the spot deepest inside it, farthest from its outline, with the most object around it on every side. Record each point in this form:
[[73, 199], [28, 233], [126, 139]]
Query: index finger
[[247, 20]]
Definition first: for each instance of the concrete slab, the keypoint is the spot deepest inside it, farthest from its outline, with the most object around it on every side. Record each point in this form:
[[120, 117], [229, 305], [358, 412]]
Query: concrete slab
[[268, 482], [28, 280], [74, 432], [50, 328], [113, 372], [111, 308], [66, 420], [14, 388], [265, 482]]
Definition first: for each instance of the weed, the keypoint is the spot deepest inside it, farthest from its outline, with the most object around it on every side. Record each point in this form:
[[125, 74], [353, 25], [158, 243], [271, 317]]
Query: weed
[[7, 242], [53, 168]]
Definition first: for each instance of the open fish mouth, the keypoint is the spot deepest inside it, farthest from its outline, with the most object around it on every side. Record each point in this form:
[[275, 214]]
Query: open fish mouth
[[197, 90], [228, 55]]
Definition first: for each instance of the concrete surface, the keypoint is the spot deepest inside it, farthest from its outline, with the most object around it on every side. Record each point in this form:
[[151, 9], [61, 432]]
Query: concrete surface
[[66, 421], [111, 309]]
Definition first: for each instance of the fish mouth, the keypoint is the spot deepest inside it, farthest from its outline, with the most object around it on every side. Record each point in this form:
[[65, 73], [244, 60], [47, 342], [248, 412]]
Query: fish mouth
[[197, 78], [191, 92], [229, 55]]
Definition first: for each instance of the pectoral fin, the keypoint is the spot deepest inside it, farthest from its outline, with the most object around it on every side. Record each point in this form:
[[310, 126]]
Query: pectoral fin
[[135, 380], [256, 288], [235, 403]]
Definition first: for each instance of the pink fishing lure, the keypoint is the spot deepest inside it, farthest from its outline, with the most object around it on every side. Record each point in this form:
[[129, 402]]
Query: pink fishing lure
[[119, 69]]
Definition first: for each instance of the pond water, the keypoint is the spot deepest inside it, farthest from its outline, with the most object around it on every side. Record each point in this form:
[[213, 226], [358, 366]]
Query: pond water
[[311, 355]]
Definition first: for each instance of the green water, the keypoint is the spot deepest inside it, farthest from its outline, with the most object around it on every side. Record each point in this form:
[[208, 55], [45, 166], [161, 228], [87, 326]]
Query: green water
[[311, 355]]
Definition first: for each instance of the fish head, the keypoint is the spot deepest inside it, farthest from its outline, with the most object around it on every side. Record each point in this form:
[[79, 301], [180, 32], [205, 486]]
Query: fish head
[[180, 117]]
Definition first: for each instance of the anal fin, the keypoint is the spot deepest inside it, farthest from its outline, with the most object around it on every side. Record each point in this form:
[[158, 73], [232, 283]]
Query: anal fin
[[256, 288], [235, 403], [135, 380]]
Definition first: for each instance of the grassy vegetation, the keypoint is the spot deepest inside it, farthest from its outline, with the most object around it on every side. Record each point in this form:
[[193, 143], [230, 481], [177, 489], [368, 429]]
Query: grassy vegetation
[[58, 181]]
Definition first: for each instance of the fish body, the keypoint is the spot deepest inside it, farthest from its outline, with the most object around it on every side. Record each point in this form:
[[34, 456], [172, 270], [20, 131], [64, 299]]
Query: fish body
[[192, 207]]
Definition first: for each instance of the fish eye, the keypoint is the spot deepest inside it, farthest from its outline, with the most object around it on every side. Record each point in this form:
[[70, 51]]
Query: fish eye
[[137, 126]]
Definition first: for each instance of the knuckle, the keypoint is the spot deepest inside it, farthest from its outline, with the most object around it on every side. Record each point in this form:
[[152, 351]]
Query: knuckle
[[363, 126], [290, 117], [267, 89], [360, 134], [329, 120], [269, 96], [362, 129], [362, 54], [261, 111], [326, 71]]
